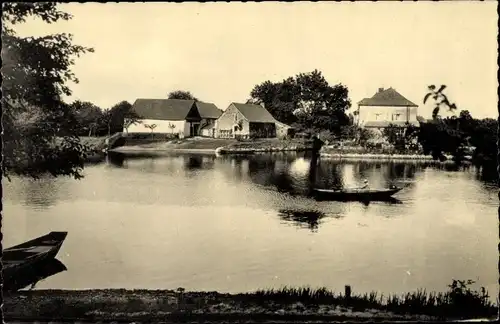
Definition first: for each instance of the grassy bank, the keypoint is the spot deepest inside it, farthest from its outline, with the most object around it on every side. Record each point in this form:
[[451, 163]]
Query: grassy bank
[[268, 145], [199, 144], [196, 143], [287, 304]]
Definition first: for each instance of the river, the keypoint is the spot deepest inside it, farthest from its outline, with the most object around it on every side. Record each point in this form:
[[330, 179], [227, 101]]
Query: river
[[235, 224]]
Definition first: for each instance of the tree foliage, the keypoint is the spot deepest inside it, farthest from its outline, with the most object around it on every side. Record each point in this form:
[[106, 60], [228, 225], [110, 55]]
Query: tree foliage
[[36, 71], [87, 117], [307, 100], [402, 138], [120, 116], [453, 135], [181, 94], [440, 100]]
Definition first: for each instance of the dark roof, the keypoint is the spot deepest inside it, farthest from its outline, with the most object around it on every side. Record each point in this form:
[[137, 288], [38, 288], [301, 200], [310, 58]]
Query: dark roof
[[381, 123], [255, 113], [208, 110], [388, 97], [163, 109]]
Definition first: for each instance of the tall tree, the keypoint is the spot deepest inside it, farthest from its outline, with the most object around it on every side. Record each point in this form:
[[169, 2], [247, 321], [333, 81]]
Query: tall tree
[[181, 94], [322, 106], [87, 117], [119, 117], [35, 73], [307, 99], [280, 99]]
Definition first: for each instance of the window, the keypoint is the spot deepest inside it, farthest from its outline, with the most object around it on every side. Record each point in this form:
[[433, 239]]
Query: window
[[395, 116], [224, 133]]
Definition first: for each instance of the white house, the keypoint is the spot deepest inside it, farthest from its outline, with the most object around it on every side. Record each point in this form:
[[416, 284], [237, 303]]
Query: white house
[[175, 116], [386, 107]]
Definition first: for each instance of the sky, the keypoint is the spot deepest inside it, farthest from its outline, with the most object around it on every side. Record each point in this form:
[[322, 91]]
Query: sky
[[220, 51]]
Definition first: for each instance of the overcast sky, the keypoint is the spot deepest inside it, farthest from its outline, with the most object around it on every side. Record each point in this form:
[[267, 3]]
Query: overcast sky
[[219, 51]]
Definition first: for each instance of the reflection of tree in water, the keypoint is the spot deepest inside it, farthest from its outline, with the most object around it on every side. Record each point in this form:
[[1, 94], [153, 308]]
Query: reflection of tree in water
[[329, 175], [261, 169], [283, 182], [396, 171], [264, 171], [43, 192], [487, 174], [310, 219], [363, 170]]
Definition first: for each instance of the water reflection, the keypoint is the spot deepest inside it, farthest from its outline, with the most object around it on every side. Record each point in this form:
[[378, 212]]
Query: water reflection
[[116, 159], [298, 176], [40, 193], [310, 219], [193, 162], [156, 163], [30, 276], [243, 223]]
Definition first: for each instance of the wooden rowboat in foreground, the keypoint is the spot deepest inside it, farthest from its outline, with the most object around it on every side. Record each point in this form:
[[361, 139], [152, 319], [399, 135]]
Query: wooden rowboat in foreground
[[31, 253], [355, 194]]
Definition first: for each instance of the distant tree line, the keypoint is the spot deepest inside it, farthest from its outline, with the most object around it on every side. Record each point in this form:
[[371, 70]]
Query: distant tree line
[[90, 120]]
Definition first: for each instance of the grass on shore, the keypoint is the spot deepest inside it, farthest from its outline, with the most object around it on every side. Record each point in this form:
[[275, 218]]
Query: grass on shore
[[214, 143], [459, 302]]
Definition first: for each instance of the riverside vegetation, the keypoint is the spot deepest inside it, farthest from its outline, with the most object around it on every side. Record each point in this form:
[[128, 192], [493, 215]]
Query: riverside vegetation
[[460, 302]]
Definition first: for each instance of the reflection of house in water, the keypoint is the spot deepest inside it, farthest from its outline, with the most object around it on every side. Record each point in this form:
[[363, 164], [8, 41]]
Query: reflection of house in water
[[164, 165], [193, 162], [198, 162]]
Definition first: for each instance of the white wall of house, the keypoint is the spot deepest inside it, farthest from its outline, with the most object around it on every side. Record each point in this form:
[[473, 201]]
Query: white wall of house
[[226, 122], [162, 126], [386, 113]]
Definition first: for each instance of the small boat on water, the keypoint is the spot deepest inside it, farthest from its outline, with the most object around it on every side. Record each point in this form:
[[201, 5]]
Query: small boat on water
[[355, 194], [31, 253]]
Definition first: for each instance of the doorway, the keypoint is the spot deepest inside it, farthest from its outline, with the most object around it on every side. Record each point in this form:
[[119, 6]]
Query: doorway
[[194, 128]]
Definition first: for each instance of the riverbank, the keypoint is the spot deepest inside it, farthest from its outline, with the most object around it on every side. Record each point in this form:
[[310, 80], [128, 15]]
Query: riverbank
[[285, 305], [214, 145], [382, 157]]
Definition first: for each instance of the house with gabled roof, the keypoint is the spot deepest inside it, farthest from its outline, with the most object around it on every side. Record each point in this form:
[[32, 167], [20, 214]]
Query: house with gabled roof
[[384, 108], [209, 114], [175, 116], [246, 121]]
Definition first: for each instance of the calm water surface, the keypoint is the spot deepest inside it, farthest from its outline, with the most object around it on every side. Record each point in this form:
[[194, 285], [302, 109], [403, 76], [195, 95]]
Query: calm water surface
[[238, 224]]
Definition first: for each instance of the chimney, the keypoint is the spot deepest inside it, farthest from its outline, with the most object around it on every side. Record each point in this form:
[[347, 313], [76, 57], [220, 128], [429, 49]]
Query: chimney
[[380, 89]]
